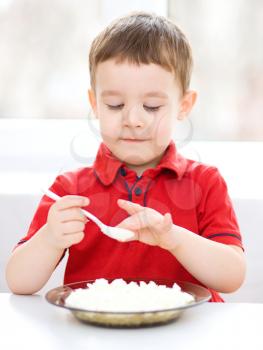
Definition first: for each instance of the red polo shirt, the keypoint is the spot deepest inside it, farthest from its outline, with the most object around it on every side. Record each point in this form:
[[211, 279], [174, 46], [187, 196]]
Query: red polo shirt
[[195, 194]]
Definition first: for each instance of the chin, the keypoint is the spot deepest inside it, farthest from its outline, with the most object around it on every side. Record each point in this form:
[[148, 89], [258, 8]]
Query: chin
[[133, 159], [134, 156]]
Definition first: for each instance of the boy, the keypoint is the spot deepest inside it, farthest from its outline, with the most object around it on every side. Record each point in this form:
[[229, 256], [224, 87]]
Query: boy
[[179, 210]]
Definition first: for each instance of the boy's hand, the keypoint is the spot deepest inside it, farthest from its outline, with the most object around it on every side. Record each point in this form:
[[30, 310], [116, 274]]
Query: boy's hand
[[65, 221], [149, 225]]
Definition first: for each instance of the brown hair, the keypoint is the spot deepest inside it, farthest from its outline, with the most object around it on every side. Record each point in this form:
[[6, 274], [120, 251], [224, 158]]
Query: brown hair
[[143, 37]]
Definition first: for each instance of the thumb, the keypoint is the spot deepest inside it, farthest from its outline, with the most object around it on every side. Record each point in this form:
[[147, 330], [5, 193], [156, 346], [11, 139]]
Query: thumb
[[167, 223]]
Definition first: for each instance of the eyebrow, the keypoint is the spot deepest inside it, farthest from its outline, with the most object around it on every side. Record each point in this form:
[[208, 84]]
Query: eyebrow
[[148, 94]]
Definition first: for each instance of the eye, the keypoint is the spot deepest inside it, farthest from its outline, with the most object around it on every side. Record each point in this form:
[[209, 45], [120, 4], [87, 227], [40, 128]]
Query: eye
[[147, 108], [115, 107], [152, 109]]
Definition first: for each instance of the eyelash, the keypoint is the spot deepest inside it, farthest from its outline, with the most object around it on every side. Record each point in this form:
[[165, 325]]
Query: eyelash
[[149, 109]]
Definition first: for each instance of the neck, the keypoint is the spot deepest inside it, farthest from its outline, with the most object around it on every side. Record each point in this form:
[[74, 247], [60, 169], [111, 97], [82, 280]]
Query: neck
[[140, 168]]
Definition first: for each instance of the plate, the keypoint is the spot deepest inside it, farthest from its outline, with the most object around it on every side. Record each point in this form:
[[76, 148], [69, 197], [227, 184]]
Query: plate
[[57, 297]]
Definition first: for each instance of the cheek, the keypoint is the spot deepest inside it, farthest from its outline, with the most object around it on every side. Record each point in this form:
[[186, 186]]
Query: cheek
[[109, 127], [163, 130]]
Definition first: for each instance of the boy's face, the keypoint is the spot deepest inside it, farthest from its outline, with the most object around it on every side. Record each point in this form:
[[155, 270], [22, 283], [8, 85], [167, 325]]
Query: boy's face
[[137, 107]]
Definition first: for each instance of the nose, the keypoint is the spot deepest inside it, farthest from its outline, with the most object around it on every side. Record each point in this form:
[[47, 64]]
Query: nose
[[133, 117]]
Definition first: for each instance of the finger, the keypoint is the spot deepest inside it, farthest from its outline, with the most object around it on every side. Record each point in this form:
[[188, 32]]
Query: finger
[[74, 238], [72, 214], [143, 219], [135, 222], [71, 201], [130, 207], [73, 227], [166, 224], [168, 220]]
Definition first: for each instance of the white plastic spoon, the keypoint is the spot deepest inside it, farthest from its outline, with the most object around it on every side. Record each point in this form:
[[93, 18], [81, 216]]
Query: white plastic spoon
[[118, 233]]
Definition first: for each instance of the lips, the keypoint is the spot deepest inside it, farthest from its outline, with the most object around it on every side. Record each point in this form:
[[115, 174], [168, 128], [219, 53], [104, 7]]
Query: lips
[[134, 140]]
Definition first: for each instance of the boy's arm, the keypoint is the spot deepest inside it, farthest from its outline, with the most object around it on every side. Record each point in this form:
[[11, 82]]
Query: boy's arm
[[32, 263], [218, 266]]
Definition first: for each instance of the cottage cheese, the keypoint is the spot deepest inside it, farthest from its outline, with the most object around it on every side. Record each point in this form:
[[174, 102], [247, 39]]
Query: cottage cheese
[[119, 296]]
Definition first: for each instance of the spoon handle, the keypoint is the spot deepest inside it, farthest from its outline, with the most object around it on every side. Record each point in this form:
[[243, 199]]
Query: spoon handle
[[93, 218], [55, 197]]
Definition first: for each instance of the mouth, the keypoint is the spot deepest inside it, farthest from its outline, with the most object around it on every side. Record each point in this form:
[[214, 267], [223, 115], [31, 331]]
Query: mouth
[[133, 140]]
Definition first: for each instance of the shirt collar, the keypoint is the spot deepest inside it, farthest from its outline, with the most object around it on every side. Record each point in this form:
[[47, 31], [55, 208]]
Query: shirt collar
[[106, 165]]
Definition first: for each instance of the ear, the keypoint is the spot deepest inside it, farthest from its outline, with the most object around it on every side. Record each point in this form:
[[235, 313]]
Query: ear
[[93, 102], [187, 103]]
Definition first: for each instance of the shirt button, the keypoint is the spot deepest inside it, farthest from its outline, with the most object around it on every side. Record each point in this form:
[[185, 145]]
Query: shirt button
[[123, 172], [138, 191]]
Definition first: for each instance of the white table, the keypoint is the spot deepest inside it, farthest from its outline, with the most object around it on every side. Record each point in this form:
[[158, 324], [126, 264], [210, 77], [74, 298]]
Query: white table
[[29, 322]]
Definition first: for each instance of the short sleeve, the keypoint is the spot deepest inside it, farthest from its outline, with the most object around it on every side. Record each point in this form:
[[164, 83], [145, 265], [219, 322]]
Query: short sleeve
[[61, 186], [216, 218]]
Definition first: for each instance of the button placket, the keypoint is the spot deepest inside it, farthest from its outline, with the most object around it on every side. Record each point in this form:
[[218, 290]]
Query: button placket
[[123, 172], [138, 191]]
